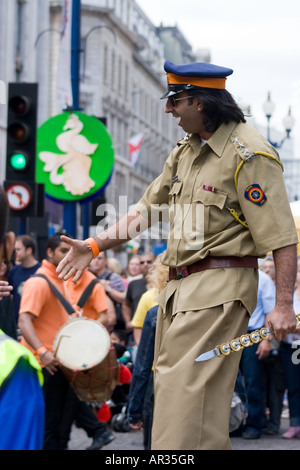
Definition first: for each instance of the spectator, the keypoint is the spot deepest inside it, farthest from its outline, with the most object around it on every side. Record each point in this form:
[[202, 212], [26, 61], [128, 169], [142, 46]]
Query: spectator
[[21, 397], [112, 283], [274, 382], [27, 265], [141, 394], [134, 268], [268, 267], [157, 274], [135, 290], [251, 360], [115, 267], [76, 410], [7, 317], [290, 361], [41, 317]]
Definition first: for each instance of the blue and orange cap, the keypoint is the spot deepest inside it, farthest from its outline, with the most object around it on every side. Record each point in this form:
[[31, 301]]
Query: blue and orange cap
[[195, 75]]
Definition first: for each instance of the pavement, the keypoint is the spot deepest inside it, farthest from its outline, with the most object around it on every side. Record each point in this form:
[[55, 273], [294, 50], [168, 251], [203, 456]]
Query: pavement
[[133, 440]]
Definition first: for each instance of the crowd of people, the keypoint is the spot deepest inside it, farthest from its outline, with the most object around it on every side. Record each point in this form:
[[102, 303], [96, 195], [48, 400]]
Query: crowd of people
[[32, 314]]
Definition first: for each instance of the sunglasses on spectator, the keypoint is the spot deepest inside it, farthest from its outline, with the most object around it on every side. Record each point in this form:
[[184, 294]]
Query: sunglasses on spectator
[[148, 262]]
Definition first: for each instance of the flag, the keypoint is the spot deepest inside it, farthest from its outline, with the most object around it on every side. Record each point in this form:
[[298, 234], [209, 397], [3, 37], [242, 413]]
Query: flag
[[64, 95], [134, 145]]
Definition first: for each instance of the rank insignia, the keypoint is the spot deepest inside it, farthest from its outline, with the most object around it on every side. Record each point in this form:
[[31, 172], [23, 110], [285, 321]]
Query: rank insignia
[[255, 194]]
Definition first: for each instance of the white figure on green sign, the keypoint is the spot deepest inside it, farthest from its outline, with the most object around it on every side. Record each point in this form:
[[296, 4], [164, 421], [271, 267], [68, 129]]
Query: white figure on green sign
[[71, 169]]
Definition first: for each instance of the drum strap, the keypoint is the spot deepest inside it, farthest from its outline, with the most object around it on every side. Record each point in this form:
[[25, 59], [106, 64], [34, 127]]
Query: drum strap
[[86, 293], [69, 308]]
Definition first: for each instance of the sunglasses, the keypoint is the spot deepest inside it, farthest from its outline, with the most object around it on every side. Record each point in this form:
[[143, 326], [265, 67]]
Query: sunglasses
[[174, 100], [148, 262]]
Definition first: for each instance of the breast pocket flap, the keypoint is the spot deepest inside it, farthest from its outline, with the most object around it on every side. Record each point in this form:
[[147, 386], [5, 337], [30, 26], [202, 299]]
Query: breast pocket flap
[[210, 198]]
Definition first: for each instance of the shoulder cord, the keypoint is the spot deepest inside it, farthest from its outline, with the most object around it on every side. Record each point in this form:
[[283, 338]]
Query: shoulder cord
[[236, 175]]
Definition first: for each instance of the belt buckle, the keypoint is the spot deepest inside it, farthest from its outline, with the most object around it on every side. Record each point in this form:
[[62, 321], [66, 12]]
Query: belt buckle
[[182, 272]]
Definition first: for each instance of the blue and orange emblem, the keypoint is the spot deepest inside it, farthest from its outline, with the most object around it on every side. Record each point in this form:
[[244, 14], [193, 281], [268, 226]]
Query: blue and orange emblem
[[255, 194]]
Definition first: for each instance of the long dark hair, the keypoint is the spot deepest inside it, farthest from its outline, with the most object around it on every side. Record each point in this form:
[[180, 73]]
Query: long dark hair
[[219, 107], [3, 224], [3, 214]]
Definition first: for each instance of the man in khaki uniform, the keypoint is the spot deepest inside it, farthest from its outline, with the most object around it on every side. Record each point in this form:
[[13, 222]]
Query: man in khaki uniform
[[223, 188]]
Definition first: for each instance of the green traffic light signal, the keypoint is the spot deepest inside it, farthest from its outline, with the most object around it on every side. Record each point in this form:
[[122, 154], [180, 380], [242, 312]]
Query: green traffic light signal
[[18, 161]]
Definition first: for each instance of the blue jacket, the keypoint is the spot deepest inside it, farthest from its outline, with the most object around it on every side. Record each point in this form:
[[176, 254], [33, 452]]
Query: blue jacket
[[142, 367]]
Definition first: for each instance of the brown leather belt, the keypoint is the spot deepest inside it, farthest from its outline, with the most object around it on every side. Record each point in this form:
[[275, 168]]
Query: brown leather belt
[[213, 262]]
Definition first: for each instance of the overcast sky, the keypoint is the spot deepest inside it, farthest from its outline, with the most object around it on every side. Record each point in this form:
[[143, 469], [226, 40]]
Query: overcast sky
[[258, 39]]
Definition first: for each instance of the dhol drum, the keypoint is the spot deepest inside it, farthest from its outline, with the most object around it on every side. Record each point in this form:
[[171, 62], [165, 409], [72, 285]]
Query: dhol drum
[[87, 359]]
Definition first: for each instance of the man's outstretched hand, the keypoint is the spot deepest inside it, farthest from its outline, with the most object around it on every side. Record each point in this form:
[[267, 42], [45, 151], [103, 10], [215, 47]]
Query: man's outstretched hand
[[75, 261]]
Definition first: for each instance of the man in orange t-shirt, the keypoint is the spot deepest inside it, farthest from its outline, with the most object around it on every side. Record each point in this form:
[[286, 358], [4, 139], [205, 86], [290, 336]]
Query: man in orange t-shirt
[[41, 316]]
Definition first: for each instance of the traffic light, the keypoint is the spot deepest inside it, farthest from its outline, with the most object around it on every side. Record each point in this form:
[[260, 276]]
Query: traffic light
[[21, 132], [25, 196]]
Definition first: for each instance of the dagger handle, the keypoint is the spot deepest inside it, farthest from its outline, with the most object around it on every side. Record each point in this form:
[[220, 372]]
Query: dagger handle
[[247, 340]]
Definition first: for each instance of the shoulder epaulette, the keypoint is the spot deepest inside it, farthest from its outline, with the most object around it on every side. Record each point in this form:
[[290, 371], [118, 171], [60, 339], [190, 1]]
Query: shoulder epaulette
[[184, 140], [247, 154], [242, 148]]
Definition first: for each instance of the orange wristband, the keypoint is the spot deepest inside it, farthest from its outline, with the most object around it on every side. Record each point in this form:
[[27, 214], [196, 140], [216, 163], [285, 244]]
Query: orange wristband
[[93, 246], [41, 350]]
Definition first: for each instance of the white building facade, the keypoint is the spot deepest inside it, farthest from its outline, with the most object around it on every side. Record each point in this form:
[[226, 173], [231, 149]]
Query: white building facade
[[122, 79]]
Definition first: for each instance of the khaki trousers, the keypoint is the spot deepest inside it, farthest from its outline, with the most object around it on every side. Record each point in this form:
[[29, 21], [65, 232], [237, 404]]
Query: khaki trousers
[[192, 400]]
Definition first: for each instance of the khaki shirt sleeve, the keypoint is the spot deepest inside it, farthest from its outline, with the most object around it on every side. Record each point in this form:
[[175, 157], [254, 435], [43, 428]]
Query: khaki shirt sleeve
[[156, 197], [271, 223]]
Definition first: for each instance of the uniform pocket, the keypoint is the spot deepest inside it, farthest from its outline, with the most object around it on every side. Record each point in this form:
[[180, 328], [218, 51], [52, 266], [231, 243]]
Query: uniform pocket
[[175, 190], [210, 198], [174, 199], [214, 204]]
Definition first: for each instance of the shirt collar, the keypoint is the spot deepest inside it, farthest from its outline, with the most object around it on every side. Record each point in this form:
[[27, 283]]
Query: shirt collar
[[219, 139], [49, 266]]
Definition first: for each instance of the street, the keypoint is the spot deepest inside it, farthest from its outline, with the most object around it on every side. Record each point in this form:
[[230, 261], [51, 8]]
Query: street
[[133, 440]]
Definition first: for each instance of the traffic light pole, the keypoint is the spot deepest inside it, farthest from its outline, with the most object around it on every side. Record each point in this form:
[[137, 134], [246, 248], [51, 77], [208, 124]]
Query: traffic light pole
[[70, 215]]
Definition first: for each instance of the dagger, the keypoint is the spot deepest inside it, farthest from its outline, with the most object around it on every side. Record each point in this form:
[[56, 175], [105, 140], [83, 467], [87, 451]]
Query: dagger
[[238, 344]]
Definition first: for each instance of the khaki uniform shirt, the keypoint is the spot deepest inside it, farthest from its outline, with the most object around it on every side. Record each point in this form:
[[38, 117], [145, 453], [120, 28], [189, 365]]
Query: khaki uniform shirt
[[197, 188]]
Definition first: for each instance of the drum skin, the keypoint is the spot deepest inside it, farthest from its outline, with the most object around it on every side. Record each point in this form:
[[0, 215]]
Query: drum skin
[[88, 359]]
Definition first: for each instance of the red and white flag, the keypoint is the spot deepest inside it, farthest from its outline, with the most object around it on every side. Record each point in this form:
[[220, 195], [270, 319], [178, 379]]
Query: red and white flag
[[64, 94], [134, 145]]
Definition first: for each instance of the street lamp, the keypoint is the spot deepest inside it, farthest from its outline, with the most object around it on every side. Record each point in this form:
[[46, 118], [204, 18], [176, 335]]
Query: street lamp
[[288, 121]]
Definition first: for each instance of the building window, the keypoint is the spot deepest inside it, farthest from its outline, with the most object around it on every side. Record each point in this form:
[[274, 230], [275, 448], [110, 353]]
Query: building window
[[120, 77], [126, 81], [105, 64], [120, 183], [113, 70]]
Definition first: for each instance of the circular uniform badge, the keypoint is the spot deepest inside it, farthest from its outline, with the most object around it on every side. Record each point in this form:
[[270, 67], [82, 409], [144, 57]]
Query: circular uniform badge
[[75, 157], [255, 194]]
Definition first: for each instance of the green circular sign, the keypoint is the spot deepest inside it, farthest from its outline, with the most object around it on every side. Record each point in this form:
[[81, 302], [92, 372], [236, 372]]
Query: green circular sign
[[75, 156]]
